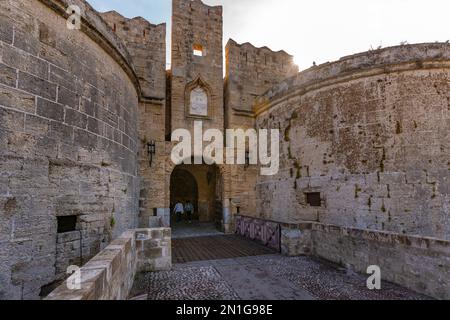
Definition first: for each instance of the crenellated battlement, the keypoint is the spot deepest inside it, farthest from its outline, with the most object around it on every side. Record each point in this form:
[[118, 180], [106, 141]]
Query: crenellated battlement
[[248, 54], [197, 60], [133, 26], [146, 43], [199, 7], [250, 71]]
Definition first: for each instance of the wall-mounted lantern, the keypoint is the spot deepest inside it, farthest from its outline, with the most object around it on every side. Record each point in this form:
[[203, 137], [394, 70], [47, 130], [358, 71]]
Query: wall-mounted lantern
[[209, 177], [151, 150], [247, 159]]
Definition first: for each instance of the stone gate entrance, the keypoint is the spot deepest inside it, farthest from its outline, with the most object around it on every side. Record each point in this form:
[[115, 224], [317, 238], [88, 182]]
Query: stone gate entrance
[[201, 185]]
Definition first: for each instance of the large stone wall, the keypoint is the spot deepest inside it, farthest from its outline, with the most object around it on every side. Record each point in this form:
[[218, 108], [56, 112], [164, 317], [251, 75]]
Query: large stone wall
[[147, 46], [194, 23], [370, 133], [110, 274], [250, 72], [418, 263], [68, 142]]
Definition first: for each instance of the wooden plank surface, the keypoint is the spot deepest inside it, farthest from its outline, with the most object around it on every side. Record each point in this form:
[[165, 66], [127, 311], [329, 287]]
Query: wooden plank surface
[[215, 248]]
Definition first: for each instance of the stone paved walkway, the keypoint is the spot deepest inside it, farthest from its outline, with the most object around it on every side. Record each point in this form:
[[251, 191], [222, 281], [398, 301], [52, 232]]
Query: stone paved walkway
[[269, 277]]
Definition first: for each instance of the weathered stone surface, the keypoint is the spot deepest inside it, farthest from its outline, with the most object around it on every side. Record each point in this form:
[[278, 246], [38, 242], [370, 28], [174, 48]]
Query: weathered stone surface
[[146, 43], [77, 110], [8, 76], [110, 274], [75, 118], [68, 98], [51, 110], [11, 119], [269, 277], [6, 30], [95, 126], [195, 24], [405, 260], [24, 61], [34, 124], [400, 257], [45, 132], [26, 41], [371, 172], [18, 100], [37, 86]]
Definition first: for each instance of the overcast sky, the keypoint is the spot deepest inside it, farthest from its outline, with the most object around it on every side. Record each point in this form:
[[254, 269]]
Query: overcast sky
[[313, 30]]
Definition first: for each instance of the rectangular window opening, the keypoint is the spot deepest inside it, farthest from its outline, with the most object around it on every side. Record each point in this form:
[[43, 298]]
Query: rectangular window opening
[[198, 50], [313, 199], [67, 224]]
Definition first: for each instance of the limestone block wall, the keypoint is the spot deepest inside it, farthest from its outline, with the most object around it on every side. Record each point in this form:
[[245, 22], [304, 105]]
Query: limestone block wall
[[68, 143], [418, 263], [146, 44], [154, 249], [152, 192], [296, 239], [110, 274], [194, 23], [368, 135], [250, 72]]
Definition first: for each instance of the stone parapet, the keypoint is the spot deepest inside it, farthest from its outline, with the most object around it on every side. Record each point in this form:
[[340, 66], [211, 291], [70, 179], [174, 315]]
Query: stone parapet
[[365, 64], [418, 263], [110, 274]]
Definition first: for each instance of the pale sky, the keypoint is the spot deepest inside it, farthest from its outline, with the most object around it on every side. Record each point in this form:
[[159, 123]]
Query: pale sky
[[313, 30]]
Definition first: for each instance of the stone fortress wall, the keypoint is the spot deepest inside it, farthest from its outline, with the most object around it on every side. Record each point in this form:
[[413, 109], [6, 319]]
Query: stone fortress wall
[[364, 140], [146, 44], [370, 133], [68, 143], [249, 73], [196, 24], [364, 168]]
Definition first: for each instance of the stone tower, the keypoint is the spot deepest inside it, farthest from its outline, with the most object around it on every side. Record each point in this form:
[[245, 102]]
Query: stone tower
[[197, 65]]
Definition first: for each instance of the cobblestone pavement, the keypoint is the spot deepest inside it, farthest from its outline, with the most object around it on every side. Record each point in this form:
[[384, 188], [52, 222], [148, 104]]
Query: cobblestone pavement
[[270, 277]]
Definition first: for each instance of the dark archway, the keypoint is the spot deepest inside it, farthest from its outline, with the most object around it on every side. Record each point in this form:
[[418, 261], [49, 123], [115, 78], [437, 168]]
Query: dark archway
[[183, 187], [202, 185]]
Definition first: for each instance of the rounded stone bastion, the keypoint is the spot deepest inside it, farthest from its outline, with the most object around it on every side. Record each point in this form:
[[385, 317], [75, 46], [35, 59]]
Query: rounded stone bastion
[[365, 142], [68, 142]]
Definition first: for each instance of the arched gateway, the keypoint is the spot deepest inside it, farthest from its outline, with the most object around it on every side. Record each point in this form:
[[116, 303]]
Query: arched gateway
[[202, 185]]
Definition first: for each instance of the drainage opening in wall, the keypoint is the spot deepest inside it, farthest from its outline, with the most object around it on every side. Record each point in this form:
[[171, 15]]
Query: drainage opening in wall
[[48, 288], [67, 224], [313, 199]]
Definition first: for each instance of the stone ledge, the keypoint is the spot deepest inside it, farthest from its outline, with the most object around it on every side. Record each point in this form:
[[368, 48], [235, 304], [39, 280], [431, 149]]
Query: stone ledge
[[415, 262], [387, 237], [110, 274], [97, 29], [366, 64]]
